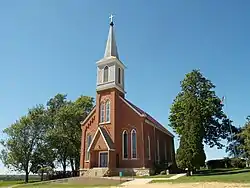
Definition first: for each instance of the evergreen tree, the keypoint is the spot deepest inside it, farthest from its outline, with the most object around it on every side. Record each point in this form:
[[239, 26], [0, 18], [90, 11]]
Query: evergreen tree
[[196, 116]]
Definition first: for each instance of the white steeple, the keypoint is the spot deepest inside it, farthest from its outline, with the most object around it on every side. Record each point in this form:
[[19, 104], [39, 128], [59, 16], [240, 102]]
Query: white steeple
[[111, 48], [110, 70]]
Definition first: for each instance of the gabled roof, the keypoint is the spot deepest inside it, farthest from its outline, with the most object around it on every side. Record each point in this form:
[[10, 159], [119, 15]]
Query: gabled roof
[[108, 141], [142, 113]]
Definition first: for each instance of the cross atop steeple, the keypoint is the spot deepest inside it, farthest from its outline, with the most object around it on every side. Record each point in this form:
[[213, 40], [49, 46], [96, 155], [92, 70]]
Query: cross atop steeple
[[111, 48], [111, 18]]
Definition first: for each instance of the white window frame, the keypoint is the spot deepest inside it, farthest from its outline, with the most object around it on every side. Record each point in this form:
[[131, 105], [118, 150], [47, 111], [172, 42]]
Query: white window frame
[[87, 157], [133, 131], [123, 148], [107, 108], [102, 111], [105, 68], [119, 75]]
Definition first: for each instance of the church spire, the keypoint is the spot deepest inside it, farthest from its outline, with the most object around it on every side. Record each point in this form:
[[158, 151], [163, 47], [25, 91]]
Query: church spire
[[111, 48]]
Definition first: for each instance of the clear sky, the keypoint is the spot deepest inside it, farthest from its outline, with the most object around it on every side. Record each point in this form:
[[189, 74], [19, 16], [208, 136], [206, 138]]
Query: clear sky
[[51, 46]]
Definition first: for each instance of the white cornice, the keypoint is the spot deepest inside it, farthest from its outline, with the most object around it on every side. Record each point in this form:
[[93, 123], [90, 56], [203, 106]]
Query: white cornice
[[110, 85]]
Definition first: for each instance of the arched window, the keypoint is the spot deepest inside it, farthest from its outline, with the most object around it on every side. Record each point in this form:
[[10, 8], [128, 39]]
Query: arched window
[[108, 111], [119, 75], [106, 74], [88, 142], [148, 149], [124, 145], [133, 144], [102, 113]]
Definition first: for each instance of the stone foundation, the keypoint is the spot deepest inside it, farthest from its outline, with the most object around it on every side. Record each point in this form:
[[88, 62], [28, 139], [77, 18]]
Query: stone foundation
[[131, 172], [125, 172], [83, 171]]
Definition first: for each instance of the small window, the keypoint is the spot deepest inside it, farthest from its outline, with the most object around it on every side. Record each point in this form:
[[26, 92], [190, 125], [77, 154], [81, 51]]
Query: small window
[[89, 139], [133, 144], [119, 75], [124, 145], [108, 111], [102, 113], [106, 74]]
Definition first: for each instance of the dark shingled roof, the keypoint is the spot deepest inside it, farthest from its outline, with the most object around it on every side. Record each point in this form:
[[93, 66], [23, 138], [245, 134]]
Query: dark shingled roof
[[149, 117], [107, 138]]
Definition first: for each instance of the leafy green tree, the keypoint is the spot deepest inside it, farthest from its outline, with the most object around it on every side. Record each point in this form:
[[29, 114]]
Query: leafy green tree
[[23, 139], [80, 110], [197, 116], [43, 158], [245, 136], [65, 130], [235, 143]]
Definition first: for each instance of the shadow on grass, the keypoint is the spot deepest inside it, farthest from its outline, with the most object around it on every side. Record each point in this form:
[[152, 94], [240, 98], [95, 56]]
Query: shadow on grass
[[217, 172]]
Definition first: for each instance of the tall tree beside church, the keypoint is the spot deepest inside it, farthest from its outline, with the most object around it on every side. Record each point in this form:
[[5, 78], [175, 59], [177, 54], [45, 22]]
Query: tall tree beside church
[[23, 138], [197, 116], [80, 110], [65, 130]]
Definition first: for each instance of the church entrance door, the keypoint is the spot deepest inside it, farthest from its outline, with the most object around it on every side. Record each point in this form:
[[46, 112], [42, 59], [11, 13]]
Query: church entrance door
[[103, 159]]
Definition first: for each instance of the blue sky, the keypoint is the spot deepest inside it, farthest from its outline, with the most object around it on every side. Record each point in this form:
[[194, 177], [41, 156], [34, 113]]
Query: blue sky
[[51, 46]]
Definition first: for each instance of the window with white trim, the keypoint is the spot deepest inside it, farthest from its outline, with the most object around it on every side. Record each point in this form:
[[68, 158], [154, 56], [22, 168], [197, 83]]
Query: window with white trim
[[88, 141], [119, 75], [133, 144], [102, 113], [107, 111], [106, 74], [125, 144]]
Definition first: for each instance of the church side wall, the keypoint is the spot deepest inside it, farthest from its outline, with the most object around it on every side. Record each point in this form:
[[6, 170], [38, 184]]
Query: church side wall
[[89, 128], [127, 119], [155, 134]]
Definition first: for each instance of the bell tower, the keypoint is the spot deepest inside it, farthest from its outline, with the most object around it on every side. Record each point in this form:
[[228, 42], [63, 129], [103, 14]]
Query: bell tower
[[110, 70]]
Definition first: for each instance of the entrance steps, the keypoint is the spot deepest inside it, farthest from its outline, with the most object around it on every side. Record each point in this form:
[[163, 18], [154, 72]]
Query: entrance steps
[[96, 172]]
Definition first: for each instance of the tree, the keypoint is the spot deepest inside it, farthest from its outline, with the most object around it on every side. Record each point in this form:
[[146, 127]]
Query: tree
[[245, 136], [235, 143], [197, 116], [65, 130], [23, 139], [80, 110], [43, 158]]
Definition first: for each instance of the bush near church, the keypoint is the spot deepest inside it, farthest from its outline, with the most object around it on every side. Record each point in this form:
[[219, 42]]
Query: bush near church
[[226, 163]]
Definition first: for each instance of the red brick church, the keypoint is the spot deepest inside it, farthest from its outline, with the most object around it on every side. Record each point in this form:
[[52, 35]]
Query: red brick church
[[117, 135]]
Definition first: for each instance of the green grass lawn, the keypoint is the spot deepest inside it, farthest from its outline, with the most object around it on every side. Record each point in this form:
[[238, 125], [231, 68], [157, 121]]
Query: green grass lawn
[[8, 183], [219, 175]]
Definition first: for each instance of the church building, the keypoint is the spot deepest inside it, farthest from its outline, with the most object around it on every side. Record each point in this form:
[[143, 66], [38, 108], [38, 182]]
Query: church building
[[117, 135]]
